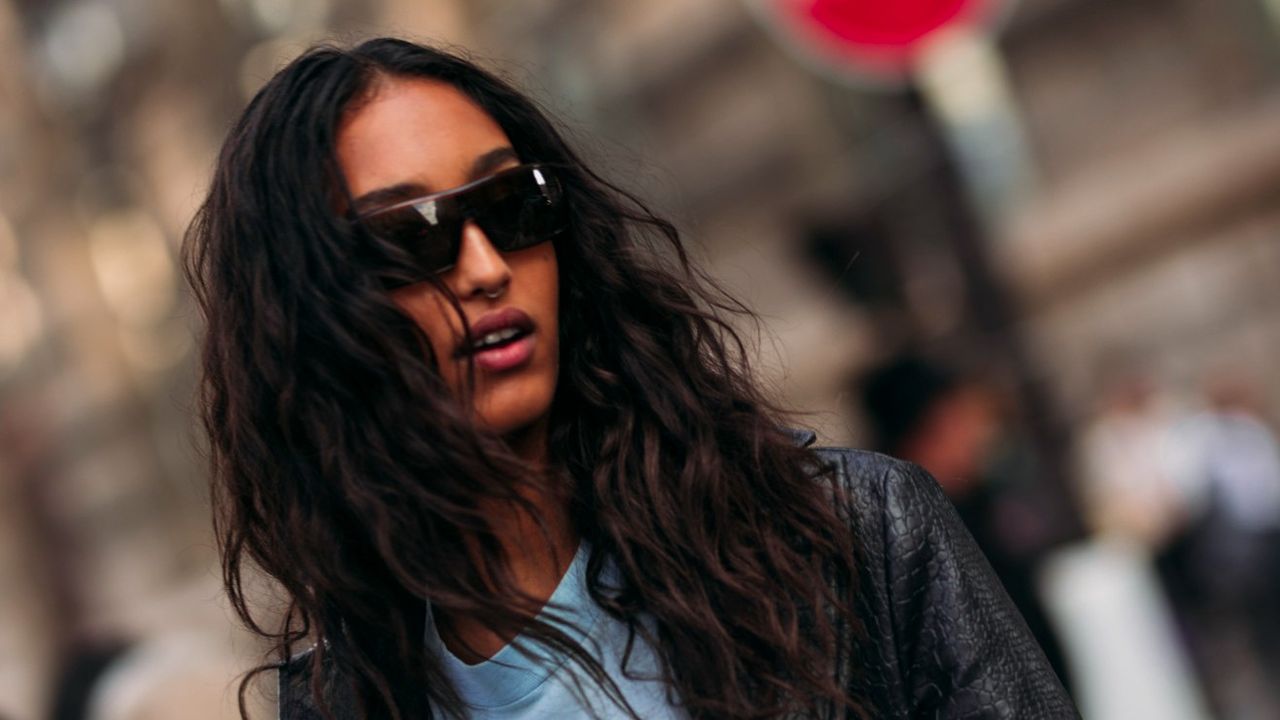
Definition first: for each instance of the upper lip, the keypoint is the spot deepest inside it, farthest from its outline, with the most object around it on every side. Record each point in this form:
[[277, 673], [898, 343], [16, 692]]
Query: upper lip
[[492, 321]]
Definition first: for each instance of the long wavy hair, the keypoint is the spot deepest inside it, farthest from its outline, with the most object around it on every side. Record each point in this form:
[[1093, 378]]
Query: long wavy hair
[[345, 469]]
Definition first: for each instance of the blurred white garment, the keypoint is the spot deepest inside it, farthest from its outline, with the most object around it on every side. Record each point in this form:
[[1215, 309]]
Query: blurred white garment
[[1118, 634]]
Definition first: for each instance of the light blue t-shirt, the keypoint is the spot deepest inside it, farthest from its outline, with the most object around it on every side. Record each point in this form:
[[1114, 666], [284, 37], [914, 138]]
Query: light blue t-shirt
[[510, 685]]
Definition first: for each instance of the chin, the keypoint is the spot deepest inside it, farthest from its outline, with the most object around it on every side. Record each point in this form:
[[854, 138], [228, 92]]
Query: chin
[[507, 410]]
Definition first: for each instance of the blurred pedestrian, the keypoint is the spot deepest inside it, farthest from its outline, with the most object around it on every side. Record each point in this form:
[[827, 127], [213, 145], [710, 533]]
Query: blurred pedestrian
[[1228, 569]]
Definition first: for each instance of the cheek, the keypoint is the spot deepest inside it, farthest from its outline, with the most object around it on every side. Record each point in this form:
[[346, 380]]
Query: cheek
[[552, 304], [548, 285], [536, 285]]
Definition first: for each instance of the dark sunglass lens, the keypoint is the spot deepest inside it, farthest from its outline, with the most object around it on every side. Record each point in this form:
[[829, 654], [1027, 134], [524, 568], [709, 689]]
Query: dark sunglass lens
[[428, 233], [521, 209]]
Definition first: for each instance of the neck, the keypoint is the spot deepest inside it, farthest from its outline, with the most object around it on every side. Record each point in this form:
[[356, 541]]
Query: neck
[[536, 556], [530, 442]]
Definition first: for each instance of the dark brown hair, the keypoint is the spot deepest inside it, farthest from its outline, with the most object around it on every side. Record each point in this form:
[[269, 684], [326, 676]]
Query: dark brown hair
[[343, 467]]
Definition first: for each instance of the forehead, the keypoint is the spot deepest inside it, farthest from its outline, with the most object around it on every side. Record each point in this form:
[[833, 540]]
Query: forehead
[[418, 131]]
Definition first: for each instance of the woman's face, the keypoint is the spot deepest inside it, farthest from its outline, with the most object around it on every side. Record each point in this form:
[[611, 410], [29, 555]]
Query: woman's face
[[428, 136]]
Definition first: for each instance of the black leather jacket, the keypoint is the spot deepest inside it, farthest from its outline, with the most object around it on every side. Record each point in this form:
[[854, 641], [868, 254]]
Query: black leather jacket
[[940, 638]]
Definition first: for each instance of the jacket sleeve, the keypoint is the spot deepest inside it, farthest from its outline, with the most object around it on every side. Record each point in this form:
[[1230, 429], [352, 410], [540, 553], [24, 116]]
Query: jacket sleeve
[[963, 649]]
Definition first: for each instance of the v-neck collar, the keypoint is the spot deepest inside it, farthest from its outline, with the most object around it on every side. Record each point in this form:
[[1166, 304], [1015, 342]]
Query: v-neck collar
[[510, 675]]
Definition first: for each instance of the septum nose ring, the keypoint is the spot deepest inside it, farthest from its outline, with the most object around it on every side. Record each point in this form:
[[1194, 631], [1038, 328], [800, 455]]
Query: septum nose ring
[[494, 295]]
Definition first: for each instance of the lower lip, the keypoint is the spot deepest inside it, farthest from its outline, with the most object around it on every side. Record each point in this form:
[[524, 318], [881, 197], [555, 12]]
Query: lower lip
[[506, 357]]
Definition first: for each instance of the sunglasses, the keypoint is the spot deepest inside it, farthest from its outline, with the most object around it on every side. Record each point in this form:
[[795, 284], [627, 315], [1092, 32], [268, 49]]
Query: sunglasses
[[516, 208]]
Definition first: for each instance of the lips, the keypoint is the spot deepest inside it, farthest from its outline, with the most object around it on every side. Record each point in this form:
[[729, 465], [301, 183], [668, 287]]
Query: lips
[[511, 324]]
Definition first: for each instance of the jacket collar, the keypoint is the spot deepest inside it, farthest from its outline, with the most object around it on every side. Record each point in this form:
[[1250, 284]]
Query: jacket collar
[[802, 437]]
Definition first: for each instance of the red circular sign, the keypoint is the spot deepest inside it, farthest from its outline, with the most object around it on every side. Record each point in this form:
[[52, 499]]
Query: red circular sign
[[878, 38]]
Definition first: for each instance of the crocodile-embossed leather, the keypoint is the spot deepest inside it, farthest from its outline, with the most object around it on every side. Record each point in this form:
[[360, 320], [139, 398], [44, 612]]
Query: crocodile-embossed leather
[[940, 638]]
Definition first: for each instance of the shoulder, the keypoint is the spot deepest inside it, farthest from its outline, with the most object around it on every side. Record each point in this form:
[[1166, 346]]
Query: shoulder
[[885, 496], [862, 470], [852, 465], [880, 488], [941, 633], [905, 526]]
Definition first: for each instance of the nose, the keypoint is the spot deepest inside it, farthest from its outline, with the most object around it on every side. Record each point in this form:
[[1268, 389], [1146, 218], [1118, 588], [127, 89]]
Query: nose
[[480, 269]]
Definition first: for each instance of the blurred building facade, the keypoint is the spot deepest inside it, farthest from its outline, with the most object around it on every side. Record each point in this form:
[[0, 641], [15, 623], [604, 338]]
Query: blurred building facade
[[1149, 224], [859, 222]]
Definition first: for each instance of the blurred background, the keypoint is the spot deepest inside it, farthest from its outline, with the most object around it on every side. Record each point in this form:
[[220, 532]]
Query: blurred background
[[1033, 246]]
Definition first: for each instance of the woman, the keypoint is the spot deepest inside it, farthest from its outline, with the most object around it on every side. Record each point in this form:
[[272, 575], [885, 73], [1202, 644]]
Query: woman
[[472, 409]]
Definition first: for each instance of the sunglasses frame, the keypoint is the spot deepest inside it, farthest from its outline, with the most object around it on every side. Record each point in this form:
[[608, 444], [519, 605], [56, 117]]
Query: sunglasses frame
[[543, 175]]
